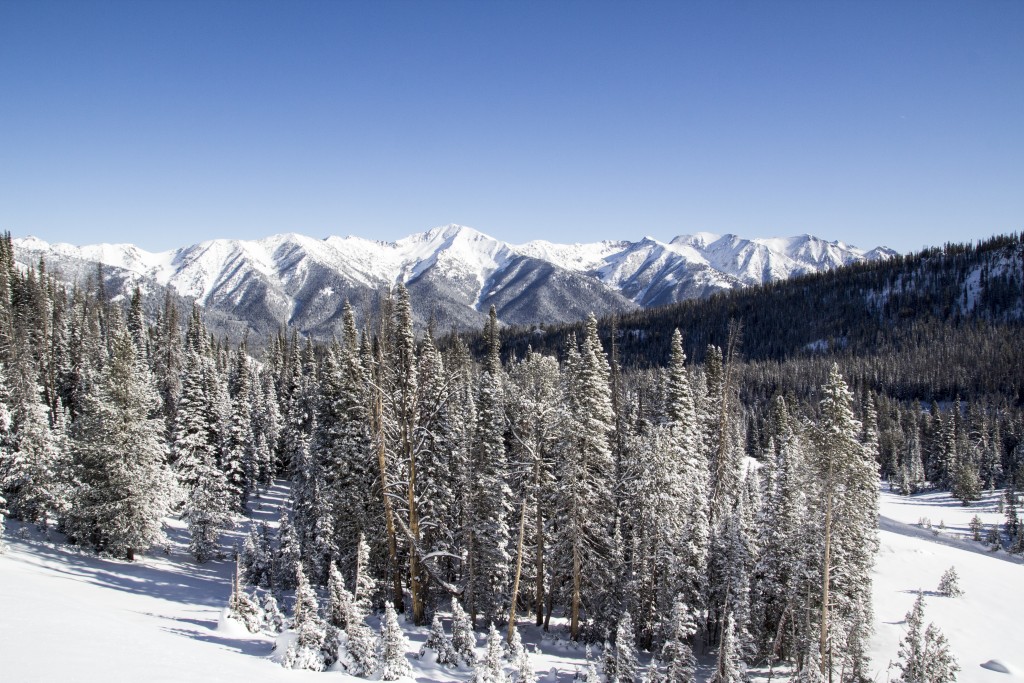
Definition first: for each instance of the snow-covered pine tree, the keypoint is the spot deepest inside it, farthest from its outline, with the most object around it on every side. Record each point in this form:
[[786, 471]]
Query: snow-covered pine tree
[[846, 479], [489, 496], [586, 477], [29, 469], [307, 650], [256, 556], [463, 638], [676, 653], [438, 642], [625, 651], [949, 584], [533, 415], [730, 667], [490, 668], [124, 485], [692, 471], [194, 450], [781, 569], [434, 477], [393, 663], [520, 658], [924, 655], [237, 456], [341, 608], [365, 584], [273, 619]]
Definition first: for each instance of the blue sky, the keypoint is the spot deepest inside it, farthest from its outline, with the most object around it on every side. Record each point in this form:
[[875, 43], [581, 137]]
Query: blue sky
[[166, 123]]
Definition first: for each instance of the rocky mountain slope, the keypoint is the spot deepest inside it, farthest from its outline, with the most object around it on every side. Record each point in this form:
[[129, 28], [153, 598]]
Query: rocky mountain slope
[[454, 273]]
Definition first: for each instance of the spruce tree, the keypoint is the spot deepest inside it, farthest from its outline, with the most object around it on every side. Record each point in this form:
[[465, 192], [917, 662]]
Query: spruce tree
[[848, 499], [307, 650], [463, 638], [490, 668], [124, 486], [438, 642], [625, 651], [393, 663], [924, 655]]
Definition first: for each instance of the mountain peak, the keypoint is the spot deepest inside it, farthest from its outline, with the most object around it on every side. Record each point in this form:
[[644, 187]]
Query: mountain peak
[[457, 271]]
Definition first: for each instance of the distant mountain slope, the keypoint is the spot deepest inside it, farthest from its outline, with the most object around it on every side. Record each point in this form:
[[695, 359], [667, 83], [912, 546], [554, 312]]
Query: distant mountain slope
[[453, 273], [936, 324]]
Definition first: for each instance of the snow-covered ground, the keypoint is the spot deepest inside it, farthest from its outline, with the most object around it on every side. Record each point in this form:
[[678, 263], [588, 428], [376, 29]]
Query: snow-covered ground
[[70, 616], [982, 625]]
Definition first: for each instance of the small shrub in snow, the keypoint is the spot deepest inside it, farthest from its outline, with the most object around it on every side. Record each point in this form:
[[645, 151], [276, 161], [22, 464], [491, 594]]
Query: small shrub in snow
[[992, 538], [924, 523], [439, 643], [243, 608], [976, 527], [949, 584], [394, 665]]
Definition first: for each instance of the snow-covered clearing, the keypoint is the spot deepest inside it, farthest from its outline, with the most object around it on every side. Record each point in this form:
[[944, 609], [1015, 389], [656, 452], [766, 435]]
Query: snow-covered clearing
[[984, 623], [70, 616]]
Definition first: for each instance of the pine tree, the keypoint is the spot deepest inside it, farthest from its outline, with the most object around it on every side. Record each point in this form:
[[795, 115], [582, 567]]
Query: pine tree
[[489, 505], [463, 639], [625, 651], [394, 665], [241, 607], [587, 510], [124, 486], [949, 584], [924, 655], [520, 658], [307, 650], [341, 607], [676, 653], [730, 668], [438, 642], [489, 668], [848, 498]]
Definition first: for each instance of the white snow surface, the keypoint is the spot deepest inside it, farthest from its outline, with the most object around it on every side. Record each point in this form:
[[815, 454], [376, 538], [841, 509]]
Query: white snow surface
[[983, 626], [460, 252]]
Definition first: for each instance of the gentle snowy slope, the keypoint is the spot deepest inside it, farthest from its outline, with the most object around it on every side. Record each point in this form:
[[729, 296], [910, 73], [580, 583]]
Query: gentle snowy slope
[[983, 624]]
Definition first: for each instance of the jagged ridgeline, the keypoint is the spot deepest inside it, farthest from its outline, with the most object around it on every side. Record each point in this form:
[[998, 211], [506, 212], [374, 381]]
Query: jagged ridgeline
[[665, 508]]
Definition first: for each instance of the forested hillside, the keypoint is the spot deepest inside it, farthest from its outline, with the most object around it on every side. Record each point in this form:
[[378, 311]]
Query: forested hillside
[[681, 508], [936, 324]]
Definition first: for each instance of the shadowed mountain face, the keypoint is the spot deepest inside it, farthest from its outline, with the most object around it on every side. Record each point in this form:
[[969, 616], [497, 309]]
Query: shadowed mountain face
[[454, 274]]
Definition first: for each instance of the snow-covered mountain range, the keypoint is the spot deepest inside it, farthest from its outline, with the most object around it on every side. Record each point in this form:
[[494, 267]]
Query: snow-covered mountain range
[[453, 273]]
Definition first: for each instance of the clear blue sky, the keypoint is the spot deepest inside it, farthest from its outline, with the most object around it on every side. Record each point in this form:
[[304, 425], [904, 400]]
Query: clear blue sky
[[165, 123]]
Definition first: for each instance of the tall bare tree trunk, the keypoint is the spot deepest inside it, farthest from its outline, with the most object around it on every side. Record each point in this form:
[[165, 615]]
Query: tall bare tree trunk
[[539, 561], [519, 571], [574, 624], [823, 642], [389, 519], [415, 586]]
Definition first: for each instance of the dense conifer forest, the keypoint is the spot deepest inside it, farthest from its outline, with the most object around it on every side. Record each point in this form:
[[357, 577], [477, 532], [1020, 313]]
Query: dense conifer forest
[[590, 478]]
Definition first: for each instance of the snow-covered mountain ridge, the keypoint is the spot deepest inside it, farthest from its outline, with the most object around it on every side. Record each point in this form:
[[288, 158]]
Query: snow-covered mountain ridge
[[457, 271]]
